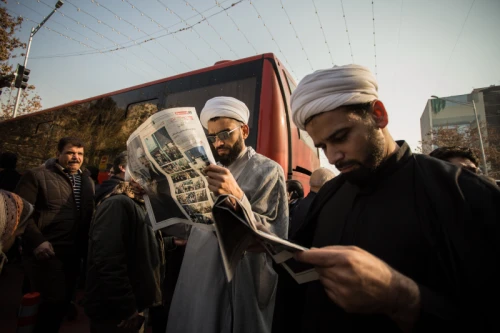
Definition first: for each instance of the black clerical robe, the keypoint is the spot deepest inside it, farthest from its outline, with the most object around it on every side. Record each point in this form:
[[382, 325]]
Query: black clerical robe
[[431, 221]]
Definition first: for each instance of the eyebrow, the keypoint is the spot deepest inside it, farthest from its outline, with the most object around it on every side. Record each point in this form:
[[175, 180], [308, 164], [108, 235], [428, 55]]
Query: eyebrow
[[224, 130], [332, 136]]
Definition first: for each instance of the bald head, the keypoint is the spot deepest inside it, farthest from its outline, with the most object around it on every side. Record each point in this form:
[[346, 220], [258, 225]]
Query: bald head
[[319, 177]]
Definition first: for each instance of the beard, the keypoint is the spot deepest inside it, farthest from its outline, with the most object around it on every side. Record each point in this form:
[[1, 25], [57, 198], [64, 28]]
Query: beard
[[365, 170], [232, 155]]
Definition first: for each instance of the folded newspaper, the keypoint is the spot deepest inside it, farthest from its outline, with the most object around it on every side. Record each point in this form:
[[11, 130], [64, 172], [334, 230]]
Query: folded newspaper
[[167, 156]]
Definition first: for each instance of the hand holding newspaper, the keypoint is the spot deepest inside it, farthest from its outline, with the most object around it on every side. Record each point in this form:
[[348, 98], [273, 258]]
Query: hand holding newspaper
[[167, 157]]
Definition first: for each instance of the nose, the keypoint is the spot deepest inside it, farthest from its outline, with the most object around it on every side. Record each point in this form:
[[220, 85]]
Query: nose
[[334, 156], [218, 142]]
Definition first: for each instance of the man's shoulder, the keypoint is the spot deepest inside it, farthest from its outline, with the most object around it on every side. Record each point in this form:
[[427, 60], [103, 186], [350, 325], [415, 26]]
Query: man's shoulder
[[264, 161], [121, 200], [434, 167], [39, 171]]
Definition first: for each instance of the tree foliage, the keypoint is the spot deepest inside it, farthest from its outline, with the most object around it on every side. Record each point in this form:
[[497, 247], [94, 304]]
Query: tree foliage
[[11, 47], [467, 136]]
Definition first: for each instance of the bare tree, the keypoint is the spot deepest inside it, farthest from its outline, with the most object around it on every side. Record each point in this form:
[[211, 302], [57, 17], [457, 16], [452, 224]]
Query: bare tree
[[11, 48], [467, 136]]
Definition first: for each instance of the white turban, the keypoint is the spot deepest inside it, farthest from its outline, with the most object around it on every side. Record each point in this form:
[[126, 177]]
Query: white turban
[[327, 89], [224, 107]]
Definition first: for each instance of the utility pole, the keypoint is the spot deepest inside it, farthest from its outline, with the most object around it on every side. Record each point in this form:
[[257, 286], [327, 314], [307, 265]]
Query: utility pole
[[33, 32]]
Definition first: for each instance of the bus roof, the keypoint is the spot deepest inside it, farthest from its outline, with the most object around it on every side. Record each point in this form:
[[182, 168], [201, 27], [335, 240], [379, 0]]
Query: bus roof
[[218, 64]]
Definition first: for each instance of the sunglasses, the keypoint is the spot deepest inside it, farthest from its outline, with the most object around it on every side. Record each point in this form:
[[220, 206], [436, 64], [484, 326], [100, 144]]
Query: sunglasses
[[222, 136]]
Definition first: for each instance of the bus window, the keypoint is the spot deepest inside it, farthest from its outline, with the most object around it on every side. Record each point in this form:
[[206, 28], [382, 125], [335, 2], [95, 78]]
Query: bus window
[[242, 81], [244, 90], [137, 113]]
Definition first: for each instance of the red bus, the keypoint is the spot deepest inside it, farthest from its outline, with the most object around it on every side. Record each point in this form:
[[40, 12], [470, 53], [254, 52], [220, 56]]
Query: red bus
[[106, 121]]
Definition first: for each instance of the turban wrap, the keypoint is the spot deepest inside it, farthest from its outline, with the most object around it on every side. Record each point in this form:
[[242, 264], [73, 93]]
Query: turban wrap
[[228, 107], [327, 89]]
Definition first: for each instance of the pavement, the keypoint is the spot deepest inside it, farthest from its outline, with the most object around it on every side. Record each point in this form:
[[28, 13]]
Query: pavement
[[11, 281]]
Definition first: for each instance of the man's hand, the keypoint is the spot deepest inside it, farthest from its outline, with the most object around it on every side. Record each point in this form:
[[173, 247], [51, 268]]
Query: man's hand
[[44, 251], [222, 182], [180, 242], [131, 323], [359, 282]]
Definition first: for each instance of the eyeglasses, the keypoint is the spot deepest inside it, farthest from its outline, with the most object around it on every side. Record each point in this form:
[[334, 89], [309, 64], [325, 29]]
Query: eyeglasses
[[222, 136]]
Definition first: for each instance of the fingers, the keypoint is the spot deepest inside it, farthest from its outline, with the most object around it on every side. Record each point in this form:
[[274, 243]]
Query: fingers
[[323, 257], [214, 169], [180, 242], [50, 251], [122, 324]]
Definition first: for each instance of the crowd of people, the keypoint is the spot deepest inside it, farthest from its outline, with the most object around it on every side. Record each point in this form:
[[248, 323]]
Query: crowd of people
[[401, 242]]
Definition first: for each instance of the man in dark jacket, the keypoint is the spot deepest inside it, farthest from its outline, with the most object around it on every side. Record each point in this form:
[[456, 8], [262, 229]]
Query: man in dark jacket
[[55, 239], [401, 242], [125, 263], [118, 176]]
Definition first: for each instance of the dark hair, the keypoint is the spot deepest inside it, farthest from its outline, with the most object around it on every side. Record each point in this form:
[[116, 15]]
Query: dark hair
[[447, 153], [8, 160], [74, 141], [361, 109], [120, 160], [293, 185]]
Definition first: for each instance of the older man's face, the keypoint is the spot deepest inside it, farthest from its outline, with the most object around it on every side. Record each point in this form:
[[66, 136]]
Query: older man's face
[[229, 149], [71, 158], [354, 144]]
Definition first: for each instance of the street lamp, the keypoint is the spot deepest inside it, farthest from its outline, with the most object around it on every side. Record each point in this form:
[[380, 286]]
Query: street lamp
[[33, 32], [477, 124]]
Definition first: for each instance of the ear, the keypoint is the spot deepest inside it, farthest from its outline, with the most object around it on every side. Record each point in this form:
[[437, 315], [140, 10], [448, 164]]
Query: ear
[[379, 114], [246, 131], [122, 168]]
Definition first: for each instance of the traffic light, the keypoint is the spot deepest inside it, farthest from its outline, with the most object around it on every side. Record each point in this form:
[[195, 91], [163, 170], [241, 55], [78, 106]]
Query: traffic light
[[22, 77]]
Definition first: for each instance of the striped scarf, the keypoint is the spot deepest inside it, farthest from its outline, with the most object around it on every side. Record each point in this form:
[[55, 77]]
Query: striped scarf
[[76, 181]]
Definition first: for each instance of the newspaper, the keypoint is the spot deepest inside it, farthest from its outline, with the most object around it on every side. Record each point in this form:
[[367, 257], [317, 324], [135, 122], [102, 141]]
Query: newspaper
[[235, 238], [167, 156]]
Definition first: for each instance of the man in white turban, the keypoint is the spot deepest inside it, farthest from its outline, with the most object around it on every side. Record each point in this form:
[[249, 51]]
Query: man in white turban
[[401, 241], [203, 300]]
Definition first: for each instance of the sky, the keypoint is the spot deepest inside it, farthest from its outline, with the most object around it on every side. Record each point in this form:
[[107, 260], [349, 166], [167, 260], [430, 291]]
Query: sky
[[416, 48]]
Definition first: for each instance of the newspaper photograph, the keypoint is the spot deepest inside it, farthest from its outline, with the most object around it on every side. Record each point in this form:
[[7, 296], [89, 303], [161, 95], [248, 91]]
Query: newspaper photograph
[[167, 156]]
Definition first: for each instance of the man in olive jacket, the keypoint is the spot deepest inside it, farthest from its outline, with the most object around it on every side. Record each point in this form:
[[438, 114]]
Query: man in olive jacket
[[55, 239]]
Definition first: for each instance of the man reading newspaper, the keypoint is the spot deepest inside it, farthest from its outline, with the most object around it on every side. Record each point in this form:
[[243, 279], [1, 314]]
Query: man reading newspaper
[[204, 300]]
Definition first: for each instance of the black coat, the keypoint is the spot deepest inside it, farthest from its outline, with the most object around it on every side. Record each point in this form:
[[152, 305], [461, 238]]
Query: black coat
[[125, 261], [448, 236], [9, 179], [56, 218], [107, 186]]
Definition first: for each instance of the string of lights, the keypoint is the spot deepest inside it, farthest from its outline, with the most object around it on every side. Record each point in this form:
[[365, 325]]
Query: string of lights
[[374, 41], [323, 32], [135, 43], [126, 36], [213, 28], [296, 35], [72, 39], [272, 37], [145, 33], [347, 30], [175, 37], [60, 24], [238, 28], [192, 29]]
